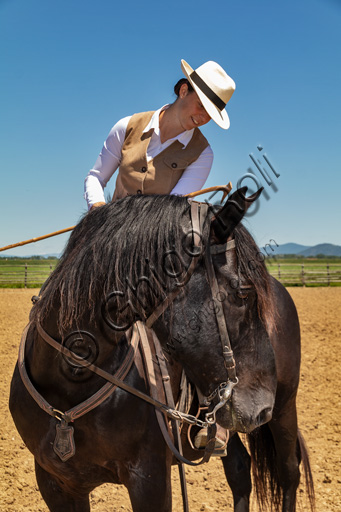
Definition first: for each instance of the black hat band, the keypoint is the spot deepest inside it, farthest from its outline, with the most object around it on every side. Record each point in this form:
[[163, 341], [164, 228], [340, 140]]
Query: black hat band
[[207, 91]]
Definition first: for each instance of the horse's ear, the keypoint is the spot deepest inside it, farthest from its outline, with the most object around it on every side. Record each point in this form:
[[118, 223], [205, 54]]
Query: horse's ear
[[226, 219]]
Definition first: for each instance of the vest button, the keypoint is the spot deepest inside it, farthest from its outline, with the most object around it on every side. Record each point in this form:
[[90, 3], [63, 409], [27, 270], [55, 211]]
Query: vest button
[[174, 165], [144, 169], [139, 192]]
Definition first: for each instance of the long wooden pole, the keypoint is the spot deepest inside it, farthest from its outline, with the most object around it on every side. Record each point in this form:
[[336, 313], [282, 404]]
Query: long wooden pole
[[224, 188], [37, 239]]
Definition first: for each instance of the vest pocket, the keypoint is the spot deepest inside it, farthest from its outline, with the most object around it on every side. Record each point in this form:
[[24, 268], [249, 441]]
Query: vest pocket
[[175, 163], [173, 170]]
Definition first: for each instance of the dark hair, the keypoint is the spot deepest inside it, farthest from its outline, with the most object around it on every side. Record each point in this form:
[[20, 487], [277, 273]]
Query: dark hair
[[178, 85]]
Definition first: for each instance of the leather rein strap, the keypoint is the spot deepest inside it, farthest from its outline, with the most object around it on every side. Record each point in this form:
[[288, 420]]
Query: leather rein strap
[[102, 394], [155, 391], [113, 379]]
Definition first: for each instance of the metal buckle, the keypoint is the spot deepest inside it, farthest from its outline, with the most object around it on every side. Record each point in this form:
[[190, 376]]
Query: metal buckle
[[59, 415]]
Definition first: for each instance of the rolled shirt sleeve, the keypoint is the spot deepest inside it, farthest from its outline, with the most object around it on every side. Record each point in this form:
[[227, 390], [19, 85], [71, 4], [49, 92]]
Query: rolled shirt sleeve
[[106, 164]]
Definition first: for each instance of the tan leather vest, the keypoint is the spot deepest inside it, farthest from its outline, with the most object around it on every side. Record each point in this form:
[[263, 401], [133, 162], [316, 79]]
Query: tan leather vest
[[159, 175]]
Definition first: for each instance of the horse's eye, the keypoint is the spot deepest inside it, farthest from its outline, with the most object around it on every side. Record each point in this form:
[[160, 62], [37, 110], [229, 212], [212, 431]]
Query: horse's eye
[[243, 293]]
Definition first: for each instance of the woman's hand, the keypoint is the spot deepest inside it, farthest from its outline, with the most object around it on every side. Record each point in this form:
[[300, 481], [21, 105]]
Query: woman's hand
[[96, 205]]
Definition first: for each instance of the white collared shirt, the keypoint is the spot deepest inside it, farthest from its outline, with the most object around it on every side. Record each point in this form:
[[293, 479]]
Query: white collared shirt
[[109, 159]]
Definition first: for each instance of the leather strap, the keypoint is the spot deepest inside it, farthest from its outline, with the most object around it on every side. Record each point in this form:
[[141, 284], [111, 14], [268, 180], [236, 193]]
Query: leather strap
[[161, 418], [102, 373], [168, 389], [229, 361], [209, 449], [175, 423], [102, 394], [43, 404]]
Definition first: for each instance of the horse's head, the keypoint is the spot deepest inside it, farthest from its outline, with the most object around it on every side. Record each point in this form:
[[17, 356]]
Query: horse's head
[[244, 297]]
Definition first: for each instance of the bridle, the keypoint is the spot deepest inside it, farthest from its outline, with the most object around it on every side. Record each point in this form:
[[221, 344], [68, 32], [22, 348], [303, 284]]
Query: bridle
[[223, 391]]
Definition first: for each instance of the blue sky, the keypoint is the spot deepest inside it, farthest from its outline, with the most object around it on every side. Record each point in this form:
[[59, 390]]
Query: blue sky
[[70, 69]]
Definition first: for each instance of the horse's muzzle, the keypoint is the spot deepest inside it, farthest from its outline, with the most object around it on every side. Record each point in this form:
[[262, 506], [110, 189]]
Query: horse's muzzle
[[236, 420]]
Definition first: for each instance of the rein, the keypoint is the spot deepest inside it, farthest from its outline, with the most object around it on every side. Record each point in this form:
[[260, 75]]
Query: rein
[[114, 380]]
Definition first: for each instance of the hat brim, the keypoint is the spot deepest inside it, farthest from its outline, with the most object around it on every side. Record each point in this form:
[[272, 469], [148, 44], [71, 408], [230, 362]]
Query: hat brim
[[219, 116]]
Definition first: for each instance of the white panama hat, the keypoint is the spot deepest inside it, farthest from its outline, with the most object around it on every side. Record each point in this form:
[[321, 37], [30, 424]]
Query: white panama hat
[[214, 88]]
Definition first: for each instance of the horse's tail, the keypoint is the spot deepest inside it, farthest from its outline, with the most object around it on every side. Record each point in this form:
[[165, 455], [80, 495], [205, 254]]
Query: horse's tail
[[308, 476], [264, 469]]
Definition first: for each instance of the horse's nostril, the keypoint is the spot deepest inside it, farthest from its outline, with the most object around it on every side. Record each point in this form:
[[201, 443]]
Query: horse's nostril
[[264, 416]]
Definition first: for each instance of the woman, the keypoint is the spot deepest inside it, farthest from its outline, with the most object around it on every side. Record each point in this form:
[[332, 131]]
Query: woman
[[164, 152]]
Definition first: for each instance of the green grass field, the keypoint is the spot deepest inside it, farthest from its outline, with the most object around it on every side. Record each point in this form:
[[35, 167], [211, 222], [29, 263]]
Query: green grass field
[[32, 272], [306, 271], [25, 273]]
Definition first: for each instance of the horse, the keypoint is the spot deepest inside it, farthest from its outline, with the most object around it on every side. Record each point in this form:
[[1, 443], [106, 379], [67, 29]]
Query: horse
[[143, 260]]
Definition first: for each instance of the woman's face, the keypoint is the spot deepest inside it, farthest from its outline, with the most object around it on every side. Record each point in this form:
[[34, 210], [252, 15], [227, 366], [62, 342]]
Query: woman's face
[[191, 113]]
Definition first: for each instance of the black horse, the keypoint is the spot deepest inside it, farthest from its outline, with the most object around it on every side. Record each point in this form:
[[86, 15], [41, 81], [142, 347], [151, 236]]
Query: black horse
[[122, 261]]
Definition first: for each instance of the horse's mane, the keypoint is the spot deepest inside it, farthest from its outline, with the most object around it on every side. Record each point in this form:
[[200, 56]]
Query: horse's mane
[[140, 229], [110, 246]]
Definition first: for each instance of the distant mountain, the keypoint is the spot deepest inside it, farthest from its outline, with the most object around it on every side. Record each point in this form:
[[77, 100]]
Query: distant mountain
[[52, 255], [326, 249], [271, 249], [289, 248], [304, 250]]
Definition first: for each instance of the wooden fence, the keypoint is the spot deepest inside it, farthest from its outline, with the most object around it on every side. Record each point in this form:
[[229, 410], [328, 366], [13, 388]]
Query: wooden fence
[[28, 275], [24, 275], [306, 274]]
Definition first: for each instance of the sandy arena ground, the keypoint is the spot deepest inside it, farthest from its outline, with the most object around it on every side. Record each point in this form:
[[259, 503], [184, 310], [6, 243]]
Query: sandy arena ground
[[318, 408]]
